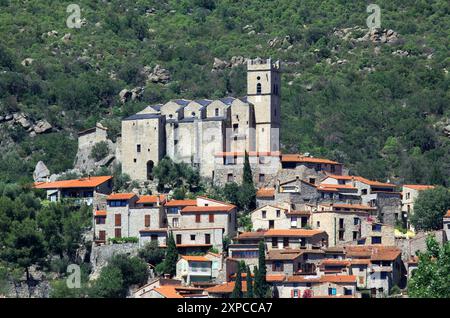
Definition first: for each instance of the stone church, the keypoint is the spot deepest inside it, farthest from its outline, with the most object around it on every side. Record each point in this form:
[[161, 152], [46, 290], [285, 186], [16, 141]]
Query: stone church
[[211, 135]]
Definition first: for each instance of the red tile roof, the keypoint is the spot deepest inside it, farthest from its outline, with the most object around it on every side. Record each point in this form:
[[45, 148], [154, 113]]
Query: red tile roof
[[418, 187], [350, 206], [265, 193], [251, 235], [152, 199], [226, 288], [335, 262], [100, 213], [120, 196], [292, 232], [275, 278], [176, 203], [374, 252], [322, 279], [362, 180], [210, 209], [88, 182], [191, 258], [300, 158], [168, 291]]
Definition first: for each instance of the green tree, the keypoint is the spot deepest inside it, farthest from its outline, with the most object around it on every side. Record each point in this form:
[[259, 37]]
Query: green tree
[[99, 151], [431, 278], [429, 209], [24, 245], [247, 177], [249, 283], [237, 290], [110, 284], [170, 262], [152, 253], [134, 270]]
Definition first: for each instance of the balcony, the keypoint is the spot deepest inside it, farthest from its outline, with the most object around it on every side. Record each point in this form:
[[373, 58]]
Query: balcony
[[199, 271]]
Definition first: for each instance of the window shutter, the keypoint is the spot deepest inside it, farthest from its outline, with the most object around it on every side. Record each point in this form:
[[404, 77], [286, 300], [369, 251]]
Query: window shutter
[[211, 218], [118, 233], [147, 221], [118, 220], [274, 267], [197, 218]]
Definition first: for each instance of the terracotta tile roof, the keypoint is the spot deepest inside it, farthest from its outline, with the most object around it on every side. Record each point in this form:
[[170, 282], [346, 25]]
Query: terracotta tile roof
[[275, 278], [190, 258], [360, 262], [293, 232], [251, 235], [338, 279], [152, 199], [265, 193], [226, 288], [326, 186], [88, 182], [300, 158], [362, 180], [100, 213], [418, 187], [120, 196], [168, 291], [211, 209], [176, 203], [334, 262], [447, 215], [285, 254], [375, 253]]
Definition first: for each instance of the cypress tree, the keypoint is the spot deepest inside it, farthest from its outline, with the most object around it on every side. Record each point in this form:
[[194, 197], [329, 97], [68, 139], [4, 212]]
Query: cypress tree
[[260, 280], [170, 263], [247, 176], [237, 291], [249, 283], [257, 285]]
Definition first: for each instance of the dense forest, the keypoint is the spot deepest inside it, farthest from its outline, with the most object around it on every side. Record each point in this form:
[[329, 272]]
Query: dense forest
[[380, 108]]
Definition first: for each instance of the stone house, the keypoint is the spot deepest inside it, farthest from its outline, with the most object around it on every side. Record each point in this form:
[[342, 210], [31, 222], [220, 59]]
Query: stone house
[[192, 269], [194, 240], [373, 193], [295, 239], [283, 262], [82, 191], [245, 247], [269, 217], [128, 215], [173, 211], [308, 286], [342, 222], [297, 162], [410, 192]]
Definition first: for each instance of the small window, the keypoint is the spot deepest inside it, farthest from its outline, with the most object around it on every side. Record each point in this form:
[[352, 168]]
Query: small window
[[216, 112], [197, 218], [193, 114], [356, 221], [364, 191], [118, 233], [258, 89], [118, 220], [264, 214], [230, 177], [192, 237], [278, 213], [262, 177], [134, 160], [318, 224], [138, 148], [211, 218], [147, 221], [376, 239]]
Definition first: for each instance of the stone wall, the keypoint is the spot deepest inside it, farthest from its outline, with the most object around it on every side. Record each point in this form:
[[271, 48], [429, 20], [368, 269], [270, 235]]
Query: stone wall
[[409, 247], [101, 254]]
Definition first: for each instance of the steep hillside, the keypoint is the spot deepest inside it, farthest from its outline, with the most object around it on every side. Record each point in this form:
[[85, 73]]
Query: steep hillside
[[378, 103]]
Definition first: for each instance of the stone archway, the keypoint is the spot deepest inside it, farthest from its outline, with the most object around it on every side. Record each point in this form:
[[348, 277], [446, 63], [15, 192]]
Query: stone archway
[[150, 166]]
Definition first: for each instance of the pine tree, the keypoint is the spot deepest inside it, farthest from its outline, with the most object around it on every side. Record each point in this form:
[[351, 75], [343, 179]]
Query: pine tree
[[170, 263], [260, 280], [237, 291], [249, 283]]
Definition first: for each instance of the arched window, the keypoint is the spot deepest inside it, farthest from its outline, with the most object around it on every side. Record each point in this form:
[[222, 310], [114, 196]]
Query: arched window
[[258, 89], [217, 112]]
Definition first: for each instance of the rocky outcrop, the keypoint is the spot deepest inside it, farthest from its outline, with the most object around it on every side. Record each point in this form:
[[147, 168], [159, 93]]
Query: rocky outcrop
[[67, 38], [41, 172], [134, 94], [27, 62], [220, 65], [380, 36], [278, 42], [156, 75], [42, 126]]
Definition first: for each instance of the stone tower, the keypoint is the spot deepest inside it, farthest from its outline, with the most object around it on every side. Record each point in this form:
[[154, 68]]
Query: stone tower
[[263, 91]]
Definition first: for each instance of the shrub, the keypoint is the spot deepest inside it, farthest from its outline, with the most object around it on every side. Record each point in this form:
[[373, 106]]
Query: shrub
[[99, 151]]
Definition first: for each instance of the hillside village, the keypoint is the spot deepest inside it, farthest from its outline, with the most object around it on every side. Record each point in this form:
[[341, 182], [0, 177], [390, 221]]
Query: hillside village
[[316, 230]]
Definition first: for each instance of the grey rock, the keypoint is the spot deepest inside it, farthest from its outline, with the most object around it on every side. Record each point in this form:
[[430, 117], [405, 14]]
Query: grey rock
[[20, 118], [2, 119], [8, 117], [220, 64], [41, 172], [66, 38], [42, 126], [27, 62]]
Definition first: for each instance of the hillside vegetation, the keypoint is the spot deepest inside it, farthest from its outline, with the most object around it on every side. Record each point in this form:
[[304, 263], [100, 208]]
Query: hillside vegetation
[[380, 108]]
